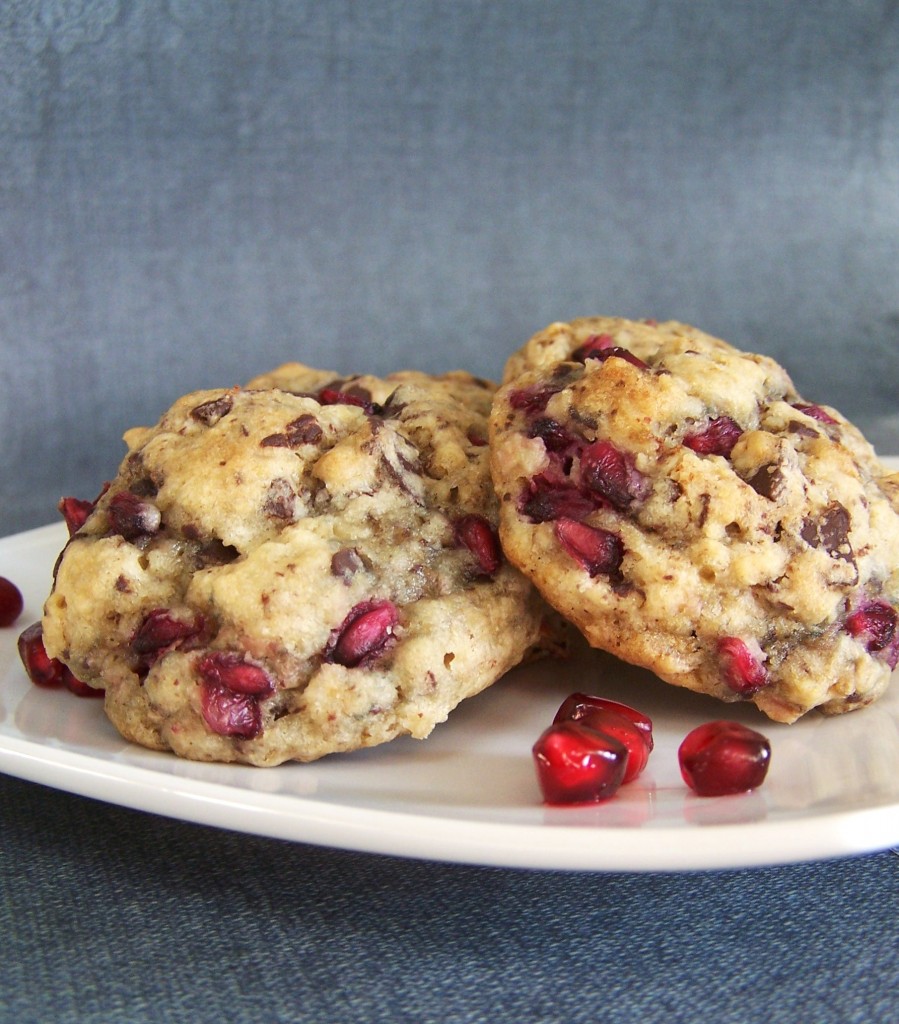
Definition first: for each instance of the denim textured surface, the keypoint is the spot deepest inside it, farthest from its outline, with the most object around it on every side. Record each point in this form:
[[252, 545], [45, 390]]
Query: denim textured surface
[[113, 915], [193, 191]]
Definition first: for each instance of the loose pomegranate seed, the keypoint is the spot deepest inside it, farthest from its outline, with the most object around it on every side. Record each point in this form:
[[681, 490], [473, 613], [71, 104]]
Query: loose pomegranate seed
[[815, 411], [364, 635], [722, 758], [229, 671], [41, 668], [45, 671], [160, 629], [11, 603], [230, 714], [575, 764], [132, 516], [718, 438], [476, 534], [75, 512], [610, 473], [599, 551], [742, 670], [580, 705], [74, 685], [874, 624]]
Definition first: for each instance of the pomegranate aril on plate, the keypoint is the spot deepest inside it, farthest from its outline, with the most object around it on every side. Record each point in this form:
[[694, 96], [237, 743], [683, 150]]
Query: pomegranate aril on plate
[[577, 765], [616, 720], [723, 758], [11, 603], [41, 668], [45, 671], [580, 705]]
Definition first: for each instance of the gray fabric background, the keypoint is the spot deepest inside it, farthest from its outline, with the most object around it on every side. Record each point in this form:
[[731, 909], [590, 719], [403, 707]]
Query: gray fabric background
[[193, 191]]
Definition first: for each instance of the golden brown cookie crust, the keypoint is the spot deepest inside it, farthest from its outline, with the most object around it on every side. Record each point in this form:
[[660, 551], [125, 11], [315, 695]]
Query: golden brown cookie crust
[[281, 571], [727, 535]]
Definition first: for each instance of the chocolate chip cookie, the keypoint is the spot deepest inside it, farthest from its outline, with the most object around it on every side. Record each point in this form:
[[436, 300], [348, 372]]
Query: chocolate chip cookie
[[302, 566], [689, 511]]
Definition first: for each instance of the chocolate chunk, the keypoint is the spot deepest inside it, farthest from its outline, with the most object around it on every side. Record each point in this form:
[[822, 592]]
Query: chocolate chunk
[[830, 531], [281, 500], [275, 441], [304, 430], [345, 563], [768, 481], [212, 411]]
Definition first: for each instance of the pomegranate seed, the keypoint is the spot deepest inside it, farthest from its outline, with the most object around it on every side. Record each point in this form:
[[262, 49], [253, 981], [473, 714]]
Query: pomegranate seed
[[132, 516], [532, 400], [75, 512], [554, 436], [875, 625], [364, 635], [11, 603], [610, 473], [45, 671], [579, 705], [599, 551], [718, 438], [160, 629], [230, 714], [331, 396], [545, 500], [722, 758], [617, 352], [575, 764], [591, 348], [41, 668], [742, 670], [74, 685], [815, 411], [476, 534], [230, 671]]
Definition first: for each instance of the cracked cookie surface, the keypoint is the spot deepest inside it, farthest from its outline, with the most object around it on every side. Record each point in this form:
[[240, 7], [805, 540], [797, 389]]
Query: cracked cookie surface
[[682, 505], [303, 566]]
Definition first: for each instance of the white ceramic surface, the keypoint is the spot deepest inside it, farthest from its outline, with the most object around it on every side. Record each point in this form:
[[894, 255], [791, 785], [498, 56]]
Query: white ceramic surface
[[468, 794]]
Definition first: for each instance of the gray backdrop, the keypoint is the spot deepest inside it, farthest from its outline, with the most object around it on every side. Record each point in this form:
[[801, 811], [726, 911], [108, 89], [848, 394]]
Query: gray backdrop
[[193, 191]]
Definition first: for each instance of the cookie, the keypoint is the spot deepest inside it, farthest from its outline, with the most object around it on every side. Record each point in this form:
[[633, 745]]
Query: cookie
[[303, 566], [682, 505]]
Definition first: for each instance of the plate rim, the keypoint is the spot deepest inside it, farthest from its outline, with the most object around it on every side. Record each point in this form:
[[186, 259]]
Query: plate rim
[[543, 846]]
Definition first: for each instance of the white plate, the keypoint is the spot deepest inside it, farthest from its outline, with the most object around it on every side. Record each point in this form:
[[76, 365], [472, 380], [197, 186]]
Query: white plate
[[469, 794]]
